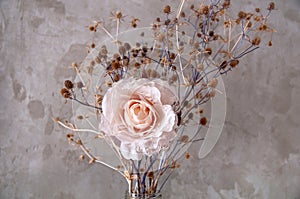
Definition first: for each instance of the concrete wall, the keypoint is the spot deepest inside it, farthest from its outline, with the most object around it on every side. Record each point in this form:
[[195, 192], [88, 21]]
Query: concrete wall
[[257, 156]]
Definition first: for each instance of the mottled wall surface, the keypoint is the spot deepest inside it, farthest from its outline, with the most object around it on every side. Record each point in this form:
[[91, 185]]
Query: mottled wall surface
[[257, 156]]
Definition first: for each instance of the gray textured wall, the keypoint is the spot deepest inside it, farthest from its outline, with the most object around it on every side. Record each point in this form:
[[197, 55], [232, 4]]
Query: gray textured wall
[[257, 156]]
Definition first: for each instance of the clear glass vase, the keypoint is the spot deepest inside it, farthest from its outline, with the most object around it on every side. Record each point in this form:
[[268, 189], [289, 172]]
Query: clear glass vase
[[145, 196]]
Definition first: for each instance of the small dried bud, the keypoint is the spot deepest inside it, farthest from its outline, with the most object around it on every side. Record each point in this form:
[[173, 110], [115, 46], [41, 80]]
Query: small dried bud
[[80, 85], [249, 24], [213, 83], [242, 15], [74, 65], [81, 157], [203, 121], [92, 28], [80, 117], [115, 65], [212, 93], [167, 9], [69, 84], [119, 15], [270, 43], [98, 60], [205, 10], [92, 160], [154, 74], [70, 135], [79, 142], [125, 61], [145, 49], [271, 6], [187, 155], [103, 51], [116, 77], [256, 41], [208, 51], [65, 93], [92, 63], [200, 67], [184, 139], [161, 37], [223, 65], [167, 22], [127, 46], [137, 64], [108, 84], [122, 50], [226, 4], [234, 62], [172, 56]]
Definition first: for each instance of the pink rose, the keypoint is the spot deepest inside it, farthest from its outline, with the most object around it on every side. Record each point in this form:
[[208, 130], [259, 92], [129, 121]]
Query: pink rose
[[140, 115]]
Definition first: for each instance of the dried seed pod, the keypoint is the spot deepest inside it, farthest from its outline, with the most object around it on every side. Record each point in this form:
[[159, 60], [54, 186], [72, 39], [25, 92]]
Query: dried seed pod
[[69, 84], [203, 121], [65, 93]]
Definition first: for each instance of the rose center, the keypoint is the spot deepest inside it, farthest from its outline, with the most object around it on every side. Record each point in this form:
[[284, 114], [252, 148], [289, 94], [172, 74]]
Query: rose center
[[139, 111]]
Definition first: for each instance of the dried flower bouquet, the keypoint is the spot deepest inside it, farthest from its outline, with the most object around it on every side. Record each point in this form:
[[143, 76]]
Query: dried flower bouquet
[[142, 92]]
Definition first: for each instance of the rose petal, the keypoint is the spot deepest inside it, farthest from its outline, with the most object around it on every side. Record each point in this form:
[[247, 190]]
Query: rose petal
[[129, 151]]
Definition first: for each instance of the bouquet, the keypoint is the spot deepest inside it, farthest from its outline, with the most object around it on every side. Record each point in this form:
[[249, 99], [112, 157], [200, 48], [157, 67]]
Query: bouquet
[[138, 98]]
